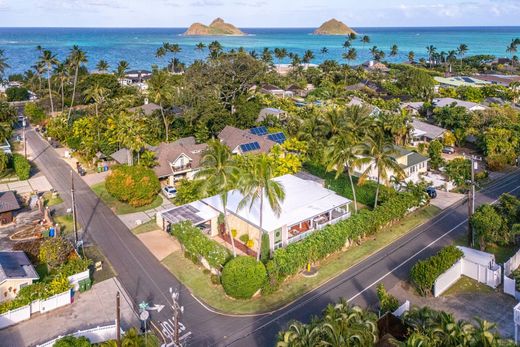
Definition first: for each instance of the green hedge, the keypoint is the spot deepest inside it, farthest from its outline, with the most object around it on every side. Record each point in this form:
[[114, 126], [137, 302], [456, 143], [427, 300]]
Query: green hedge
[[425, 272], [21, 166], [196, 243], [291, 259], [36, 291], [365, 193], [134, 185], [243, 276], [74, 266]]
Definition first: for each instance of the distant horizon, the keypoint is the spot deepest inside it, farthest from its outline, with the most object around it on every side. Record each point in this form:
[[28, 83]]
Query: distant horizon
[[262, 27]]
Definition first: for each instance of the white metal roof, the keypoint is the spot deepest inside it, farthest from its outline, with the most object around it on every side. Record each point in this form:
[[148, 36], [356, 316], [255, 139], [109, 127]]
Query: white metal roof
[[303, 200]]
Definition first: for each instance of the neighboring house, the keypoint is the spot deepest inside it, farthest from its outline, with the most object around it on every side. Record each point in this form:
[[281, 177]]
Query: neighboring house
[[122, 156], [301, 92], [426, 132], [270, 111], [502, 80], [413, 108], [411, 162], [8, 204], [460, 81], [16, 272], [276, 91], [137, 78], [355, 101], [246, 141], [468, 105], [148, 108], [307, 208], [375, 66], [178, 160]]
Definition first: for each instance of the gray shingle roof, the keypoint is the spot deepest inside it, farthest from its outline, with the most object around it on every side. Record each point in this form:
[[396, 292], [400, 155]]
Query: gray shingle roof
[[16, 265], [431, 131], [8, 202]]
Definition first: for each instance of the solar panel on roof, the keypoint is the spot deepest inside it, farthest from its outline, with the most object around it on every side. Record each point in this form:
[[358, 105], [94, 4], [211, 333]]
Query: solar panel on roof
[[277, 137], [248, 147], [260, 131]]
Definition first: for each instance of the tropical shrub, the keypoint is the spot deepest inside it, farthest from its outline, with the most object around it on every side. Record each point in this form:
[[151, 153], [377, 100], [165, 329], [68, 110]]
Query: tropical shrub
[[425, 272], [365, 193], [35, 113], [265, 249], [291, 259], [459, 170], [387, 302], [17, 94], [435, 153], [196, 243], [244, 238], [21, 167], [134, 185], [4, 162], [55, 251], [243, 276], [74, 266], [72, 341]]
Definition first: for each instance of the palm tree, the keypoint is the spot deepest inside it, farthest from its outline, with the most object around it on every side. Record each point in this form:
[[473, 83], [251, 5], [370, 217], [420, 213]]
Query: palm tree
[[280, 54], [365, 40], [431, 52], [215, 49], [61, 73], [200, 46], [352, 36], [350, 55], [3, 64], [347, 44], [513, 47], [131, 338], [411, 56], [102, 66], [375, 53], [324, 50], [257, 183], [461, 51], [267, 56], [76, 58], [299, 334], [308, 56], [160, 52], [49, 60], [122, 66], [379, 153], [394, 50], [451, 57], [340, 156], [160, 90], [219, 173], [97, 93], [253, 54]]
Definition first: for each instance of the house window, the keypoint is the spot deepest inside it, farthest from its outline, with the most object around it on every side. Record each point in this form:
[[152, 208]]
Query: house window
[[23, 285]]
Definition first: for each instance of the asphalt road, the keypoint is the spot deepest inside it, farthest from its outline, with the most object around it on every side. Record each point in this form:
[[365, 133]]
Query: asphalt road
[[145, 279]]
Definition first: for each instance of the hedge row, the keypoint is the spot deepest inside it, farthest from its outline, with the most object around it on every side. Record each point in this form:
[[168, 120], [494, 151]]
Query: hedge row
[[21, 167], [425, 272], [196, 243], [365, 193], [243, 276], [291, 259]]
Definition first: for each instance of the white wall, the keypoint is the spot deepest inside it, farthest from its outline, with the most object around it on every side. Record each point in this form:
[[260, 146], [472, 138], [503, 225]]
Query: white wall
[[95, 335], [13, 317], [447, 279]]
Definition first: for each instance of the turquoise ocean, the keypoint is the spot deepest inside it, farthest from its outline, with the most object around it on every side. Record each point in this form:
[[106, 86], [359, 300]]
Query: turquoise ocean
[[138, 45]]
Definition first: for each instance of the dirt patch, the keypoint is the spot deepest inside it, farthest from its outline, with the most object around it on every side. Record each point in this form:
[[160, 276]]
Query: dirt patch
[[491, 305]]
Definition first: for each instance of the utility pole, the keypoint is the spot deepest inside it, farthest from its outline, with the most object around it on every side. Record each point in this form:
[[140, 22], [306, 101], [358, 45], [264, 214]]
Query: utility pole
[[24, 124], [118, 320], [177, 311], [74, 222], [471, 201]]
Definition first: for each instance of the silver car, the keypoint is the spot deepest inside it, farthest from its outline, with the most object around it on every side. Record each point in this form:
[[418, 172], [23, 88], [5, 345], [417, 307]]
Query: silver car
[[169, 192]]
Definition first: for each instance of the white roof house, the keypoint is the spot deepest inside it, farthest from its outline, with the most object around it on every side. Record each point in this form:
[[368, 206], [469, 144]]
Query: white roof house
[[470, 106], [460, 81], [303, 199]]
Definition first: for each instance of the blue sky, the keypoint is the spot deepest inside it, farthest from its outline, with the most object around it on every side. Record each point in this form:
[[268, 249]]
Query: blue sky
[[257, 13]]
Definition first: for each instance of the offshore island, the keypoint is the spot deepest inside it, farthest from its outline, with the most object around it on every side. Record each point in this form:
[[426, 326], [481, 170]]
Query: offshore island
[[217, 28], [334, 27]]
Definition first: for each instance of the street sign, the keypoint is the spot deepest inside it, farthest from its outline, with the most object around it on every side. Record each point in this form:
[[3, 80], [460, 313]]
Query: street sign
[[144, 316]]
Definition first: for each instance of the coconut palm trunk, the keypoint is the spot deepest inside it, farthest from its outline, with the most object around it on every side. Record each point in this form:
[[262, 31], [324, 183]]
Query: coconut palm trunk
[[226, 223], [353, 189], [50, 91], [73, 91], [377, 188], [165, 121], [261, 224]]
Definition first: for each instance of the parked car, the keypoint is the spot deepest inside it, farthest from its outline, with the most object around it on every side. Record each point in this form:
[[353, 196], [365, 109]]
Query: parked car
[[448, 150], [169, 192], [432, 193]]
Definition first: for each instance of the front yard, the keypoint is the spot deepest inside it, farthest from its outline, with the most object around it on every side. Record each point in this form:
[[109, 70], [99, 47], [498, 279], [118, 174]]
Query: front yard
[[200, 285], [120, 207]]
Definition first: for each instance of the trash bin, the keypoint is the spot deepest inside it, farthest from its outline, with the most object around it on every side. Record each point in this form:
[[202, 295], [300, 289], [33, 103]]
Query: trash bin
[[106, 167], [99, 169], [52, 232]]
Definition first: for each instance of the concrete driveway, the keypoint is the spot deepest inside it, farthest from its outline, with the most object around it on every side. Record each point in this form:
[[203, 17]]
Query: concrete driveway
[[90, 309], [446, 199], [159, 243]]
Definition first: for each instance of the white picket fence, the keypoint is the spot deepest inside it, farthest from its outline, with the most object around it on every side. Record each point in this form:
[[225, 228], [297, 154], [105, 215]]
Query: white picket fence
[[509, 283], [20, 314], [477, 265], [95, 335]]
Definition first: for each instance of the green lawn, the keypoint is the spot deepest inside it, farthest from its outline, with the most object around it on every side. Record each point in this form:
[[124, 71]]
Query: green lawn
[[50, 200], [467, 285], [94, 254], [66, 223], [118, 206], [213, 295], [145, 227]]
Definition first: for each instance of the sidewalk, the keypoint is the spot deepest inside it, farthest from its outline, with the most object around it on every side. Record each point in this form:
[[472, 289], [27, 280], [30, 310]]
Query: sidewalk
[[93, 308], [131, 218]]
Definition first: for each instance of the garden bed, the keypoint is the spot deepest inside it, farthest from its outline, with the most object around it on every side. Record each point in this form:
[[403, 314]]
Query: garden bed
[[120, 207], [199, 283]]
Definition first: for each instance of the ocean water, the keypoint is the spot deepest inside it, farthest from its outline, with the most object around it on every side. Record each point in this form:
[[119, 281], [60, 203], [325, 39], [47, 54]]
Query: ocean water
[[138, 45]]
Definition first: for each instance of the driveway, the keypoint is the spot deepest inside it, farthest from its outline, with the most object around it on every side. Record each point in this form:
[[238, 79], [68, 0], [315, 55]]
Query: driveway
[[37, 183], [159, 243], [90, 309], [130, 220], [446, 199]]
